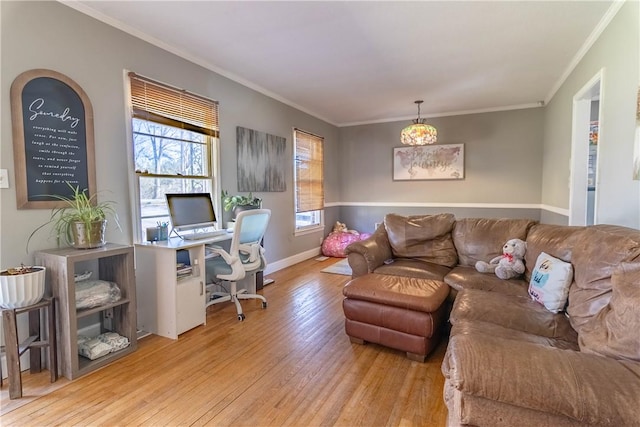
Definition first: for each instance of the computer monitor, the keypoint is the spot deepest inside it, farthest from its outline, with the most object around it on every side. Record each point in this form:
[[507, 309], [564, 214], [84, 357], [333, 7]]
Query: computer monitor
[[190, 211]]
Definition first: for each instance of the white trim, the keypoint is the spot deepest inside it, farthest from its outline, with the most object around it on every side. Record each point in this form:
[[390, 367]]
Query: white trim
[[443, 205], [295, 259], [448, 114], [554, 209], [133, 179], [332, 204], [578, 166], [593, 37], [559, 211], [309, 229]]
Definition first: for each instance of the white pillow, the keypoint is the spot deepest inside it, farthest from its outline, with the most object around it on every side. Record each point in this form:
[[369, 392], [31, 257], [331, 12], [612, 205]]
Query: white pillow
[[550, 281]]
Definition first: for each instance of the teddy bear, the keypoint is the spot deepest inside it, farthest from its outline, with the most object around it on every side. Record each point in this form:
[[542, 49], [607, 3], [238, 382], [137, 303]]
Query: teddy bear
[[508, 265], [341, 227]]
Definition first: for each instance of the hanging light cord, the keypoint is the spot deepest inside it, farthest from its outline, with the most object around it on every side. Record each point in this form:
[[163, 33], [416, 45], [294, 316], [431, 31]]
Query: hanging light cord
[[418, 119]]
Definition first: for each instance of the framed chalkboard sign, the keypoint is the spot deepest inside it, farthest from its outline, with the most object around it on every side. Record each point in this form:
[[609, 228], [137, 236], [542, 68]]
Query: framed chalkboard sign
[[53, 143]]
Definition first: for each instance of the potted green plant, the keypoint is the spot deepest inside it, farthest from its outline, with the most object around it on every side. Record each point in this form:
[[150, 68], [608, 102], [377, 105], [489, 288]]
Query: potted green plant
[[82, 221], [238, 203]]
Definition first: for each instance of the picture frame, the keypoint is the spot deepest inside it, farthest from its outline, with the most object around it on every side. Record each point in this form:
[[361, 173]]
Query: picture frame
[[428, 162], [53, 139], [261, 161]]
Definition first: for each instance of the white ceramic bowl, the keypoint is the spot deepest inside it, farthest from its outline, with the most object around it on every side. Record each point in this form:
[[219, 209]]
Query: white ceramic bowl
[[21, 290]]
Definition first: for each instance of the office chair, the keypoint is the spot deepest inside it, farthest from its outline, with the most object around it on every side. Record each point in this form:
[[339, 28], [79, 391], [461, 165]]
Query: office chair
[[246, 255]]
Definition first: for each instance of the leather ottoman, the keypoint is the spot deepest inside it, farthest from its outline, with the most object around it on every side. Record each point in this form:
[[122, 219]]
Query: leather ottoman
[[404, 313]]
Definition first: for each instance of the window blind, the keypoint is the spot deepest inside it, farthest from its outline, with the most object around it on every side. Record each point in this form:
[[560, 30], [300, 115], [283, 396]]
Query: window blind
[[309, 171], [160, 103]]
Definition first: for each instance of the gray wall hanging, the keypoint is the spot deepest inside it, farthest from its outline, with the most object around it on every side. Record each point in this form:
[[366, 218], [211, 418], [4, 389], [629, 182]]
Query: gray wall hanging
[[261, 161]]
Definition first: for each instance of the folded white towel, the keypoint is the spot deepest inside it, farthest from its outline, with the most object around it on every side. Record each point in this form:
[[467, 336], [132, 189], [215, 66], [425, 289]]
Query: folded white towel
[[114, 340], [93, 349], [101, 345], [93, 293]]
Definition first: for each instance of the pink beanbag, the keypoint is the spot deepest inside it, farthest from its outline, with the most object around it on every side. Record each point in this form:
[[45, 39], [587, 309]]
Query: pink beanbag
[[336, 242]]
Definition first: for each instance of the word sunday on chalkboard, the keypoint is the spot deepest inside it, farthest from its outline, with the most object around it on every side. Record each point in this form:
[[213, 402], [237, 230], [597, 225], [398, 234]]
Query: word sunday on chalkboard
[[53, 143]]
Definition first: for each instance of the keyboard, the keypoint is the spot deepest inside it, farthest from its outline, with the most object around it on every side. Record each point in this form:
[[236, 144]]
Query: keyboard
[[204, 235]]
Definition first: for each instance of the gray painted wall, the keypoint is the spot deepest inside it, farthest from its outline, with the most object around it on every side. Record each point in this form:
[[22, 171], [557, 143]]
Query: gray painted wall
[[503, 164], [503, 160], [53, 36], [548, 217], [617, 52]]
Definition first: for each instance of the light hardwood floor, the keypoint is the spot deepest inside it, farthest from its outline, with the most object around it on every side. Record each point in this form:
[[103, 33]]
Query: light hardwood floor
[[290, 364]]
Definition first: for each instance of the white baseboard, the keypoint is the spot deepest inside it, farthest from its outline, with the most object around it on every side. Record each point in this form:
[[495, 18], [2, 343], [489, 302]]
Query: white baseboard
[[288, 262]]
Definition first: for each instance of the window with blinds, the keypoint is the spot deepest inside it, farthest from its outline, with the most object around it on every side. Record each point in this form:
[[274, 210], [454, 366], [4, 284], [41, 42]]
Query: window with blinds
[[309, 179], [157, 102], [174, 135]]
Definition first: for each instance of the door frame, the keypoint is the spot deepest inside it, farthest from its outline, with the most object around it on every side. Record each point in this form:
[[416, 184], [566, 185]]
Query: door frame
[[579, 162]]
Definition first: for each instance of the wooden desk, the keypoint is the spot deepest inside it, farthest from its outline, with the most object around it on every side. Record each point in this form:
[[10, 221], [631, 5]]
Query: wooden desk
[[170, 303]]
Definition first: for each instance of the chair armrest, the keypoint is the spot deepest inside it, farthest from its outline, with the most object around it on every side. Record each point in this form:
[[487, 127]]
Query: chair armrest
[[367, 255], [224, 254]]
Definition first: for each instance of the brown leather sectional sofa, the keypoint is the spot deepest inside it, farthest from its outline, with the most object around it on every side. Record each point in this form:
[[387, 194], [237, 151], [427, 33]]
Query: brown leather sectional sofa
[[509, 360]]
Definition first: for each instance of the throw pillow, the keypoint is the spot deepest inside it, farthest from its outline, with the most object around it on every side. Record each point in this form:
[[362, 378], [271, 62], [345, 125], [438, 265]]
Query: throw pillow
[[550, 281]]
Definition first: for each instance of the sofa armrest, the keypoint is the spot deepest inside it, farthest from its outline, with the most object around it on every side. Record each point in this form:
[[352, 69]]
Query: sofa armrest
[[588, 388], [367, 255]]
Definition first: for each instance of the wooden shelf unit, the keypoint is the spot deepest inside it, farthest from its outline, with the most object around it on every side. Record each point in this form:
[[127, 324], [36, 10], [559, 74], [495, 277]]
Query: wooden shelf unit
[[112, 262]]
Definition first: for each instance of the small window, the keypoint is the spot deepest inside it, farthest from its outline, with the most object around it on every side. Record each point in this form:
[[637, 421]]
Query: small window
[[309, 181], [174, 135]]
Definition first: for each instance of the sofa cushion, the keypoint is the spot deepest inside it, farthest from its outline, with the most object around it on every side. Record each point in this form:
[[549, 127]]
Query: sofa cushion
[[478, 327], [598, 250], [592, 389], [550, 280], [613, 332], [468, 410], [509, 311], [481, 239], [424, 237], [414, 268], [556, 240], [461, 278]]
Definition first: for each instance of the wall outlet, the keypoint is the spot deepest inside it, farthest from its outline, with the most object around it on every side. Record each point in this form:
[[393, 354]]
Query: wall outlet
[[4, 178]]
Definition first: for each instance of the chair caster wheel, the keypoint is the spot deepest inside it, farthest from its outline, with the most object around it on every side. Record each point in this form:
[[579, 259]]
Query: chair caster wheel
[[241, 317], [264, 305]]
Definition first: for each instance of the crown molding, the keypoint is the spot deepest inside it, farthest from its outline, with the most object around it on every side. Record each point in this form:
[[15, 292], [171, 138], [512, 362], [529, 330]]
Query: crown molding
[[593, 37]]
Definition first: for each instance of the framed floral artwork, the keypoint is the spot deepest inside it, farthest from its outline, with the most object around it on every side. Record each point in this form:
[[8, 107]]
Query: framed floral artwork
[[428, 162]]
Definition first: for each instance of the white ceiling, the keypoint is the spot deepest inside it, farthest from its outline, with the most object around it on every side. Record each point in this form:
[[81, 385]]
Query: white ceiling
[[350, 62]]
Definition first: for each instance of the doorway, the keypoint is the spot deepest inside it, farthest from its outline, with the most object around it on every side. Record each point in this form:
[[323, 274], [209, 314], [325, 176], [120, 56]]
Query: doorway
[[586, 127]]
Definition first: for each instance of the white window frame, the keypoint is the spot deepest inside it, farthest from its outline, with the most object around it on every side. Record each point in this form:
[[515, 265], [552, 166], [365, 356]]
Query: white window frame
[[139, 234]]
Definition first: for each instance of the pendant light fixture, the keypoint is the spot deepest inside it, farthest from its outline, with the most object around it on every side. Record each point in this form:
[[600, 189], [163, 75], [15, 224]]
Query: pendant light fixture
[[419, 133]]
